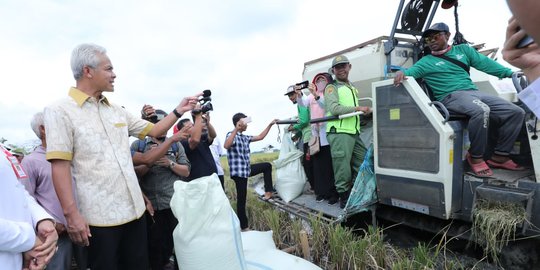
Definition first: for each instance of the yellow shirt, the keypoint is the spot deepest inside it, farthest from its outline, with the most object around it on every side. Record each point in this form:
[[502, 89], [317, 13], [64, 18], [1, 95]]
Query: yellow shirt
[[93, 135]]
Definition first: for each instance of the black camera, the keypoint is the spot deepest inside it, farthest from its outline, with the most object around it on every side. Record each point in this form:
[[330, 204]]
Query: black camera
[[156, 117], [302, 85], [204, 100]]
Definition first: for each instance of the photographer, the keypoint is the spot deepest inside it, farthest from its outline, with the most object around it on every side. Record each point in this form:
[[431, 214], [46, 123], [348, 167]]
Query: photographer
[[323, 174], [238, 152], [157, 183], [201, 134]]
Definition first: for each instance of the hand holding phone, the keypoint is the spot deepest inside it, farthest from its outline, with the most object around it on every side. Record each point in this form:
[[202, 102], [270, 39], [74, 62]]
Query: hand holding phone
[[524, 42], [246, 120]]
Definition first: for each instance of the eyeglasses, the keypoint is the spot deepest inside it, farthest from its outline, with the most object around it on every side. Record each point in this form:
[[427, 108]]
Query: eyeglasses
[[433, 37]]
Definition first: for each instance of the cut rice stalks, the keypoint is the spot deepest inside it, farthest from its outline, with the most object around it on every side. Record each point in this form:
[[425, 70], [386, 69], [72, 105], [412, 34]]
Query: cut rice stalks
[[495, 223]]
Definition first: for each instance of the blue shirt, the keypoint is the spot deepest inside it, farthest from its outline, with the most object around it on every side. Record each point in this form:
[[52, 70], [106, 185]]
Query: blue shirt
[[238, 155]]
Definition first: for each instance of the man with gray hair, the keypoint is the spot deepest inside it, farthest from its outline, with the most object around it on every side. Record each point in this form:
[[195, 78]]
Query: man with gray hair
[[40, 186], [87, 138]]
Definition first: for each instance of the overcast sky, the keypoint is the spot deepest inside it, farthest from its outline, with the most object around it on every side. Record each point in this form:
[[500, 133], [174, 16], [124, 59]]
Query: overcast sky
[[246, 52]]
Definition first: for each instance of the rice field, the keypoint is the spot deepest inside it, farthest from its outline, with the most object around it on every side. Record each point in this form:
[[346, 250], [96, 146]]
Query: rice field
[[337, 247]]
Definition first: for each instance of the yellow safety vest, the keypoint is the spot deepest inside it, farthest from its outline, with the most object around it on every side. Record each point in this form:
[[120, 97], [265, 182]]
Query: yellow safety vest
[[348, 96]]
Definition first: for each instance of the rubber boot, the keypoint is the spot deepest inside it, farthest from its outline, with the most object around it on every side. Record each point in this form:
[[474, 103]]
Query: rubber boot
[[343, 198]]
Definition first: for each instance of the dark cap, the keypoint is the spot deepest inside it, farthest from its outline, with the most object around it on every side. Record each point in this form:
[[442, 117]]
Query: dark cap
[[237, 118], [340, 59], [438, 27]]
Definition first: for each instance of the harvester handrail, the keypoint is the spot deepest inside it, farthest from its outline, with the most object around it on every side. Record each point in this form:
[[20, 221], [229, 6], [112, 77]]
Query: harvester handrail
[[443, 109]]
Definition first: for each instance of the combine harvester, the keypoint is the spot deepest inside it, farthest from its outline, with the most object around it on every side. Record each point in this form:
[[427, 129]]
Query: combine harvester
[[422, 179]]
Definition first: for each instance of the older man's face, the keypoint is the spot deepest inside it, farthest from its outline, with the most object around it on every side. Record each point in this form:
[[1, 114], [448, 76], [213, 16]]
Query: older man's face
[[103, 75]]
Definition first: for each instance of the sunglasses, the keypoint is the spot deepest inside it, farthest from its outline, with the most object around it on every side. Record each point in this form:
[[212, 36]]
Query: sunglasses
[[433, 37]]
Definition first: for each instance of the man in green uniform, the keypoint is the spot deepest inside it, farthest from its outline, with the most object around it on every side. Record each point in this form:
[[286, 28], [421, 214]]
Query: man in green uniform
[[446, 72], [346, 147]]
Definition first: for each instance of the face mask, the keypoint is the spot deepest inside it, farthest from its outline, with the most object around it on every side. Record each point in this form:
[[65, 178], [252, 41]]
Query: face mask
[[321, 85]]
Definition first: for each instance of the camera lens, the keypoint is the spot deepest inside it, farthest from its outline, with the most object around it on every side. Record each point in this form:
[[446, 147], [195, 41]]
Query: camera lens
[[207, 107]]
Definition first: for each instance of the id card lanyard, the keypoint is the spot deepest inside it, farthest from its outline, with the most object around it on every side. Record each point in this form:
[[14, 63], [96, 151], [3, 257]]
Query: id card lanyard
[[15, 165]]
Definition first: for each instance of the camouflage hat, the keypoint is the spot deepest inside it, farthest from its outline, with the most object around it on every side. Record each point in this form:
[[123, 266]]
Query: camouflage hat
[[340, 59]]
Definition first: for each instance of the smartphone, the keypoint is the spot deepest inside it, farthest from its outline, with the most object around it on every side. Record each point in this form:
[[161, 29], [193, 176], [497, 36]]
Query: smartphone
[[246, 120], [524, 42], [302, 85]]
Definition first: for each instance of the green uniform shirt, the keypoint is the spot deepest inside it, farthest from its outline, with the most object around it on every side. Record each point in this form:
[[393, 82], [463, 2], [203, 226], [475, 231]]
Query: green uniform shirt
[[303, 123], [445, 77], [341, 98]]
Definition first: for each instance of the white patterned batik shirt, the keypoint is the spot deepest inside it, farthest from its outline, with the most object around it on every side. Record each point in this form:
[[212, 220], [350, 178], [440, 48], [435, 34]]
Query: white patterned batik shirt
[[93, 135]]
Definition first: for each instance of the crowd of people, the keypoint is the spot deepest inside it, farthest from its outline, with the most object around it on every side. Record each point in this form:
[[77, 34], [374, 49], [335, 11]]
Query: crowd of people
[[86, 193], [333, 150], [117, 216]]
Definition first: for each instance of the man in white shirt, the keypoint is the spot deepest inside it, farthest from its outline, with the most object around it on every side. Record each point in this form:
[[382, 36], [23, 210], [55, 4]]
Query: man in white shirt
[[20, 217], [88, 140]]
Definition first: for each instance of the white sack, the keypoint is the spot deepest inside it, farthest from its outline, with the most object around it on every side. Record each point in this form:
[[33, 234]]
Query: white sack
[[290, 175], [208, 232], [261, 254]]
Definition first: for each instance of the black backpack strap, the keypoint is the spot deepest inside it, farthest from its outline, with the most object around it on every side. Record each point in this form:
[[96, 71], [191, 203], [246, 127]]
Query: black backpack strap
[[455, 62]]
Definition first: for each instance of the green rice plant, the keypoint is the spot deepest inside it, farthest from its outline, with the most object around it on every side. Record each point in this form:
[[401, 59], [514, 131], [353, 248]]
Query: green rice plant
[[294, 234], [423, 257], [495, 224], [263, 157], [357, 251], [339, 239], [318, 243], [377, 247], [274, 222], [404, 264]]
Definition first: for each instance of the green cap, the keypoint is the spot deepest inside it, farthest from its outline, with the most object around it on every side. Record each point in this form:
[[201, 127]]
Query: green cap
[[340, 59]]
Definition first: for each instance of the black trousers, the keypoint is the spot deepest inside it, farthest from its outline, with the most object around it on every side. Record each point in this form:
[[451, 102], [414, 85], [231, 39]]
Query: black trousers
[[222, 181], [160, 238], [324, 173], [119, 247], [307, 162], [241, 189]]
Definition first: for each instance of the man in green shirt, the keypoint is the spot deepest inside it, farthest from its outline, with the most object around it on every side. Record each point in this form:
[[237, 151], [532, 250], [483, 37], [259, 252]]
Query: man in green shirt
[[346, 147], [446, 72], [302, 127]]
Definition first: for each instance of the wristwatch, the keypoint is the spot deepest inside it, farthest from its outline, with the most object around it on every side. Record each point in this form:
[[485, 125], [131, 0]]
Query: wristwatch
[[177, 113], [171, 165]]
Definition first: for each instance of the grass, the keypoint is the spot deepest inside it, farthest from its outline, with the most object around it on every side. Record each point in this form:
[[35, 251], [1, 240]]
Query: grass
[[336, 247]]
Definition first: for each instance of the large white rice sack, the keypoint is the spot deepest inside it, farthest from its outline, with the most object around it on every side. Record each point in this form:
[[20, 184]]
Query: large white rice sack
[[290, 175], [261, 254], [208, 232]]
